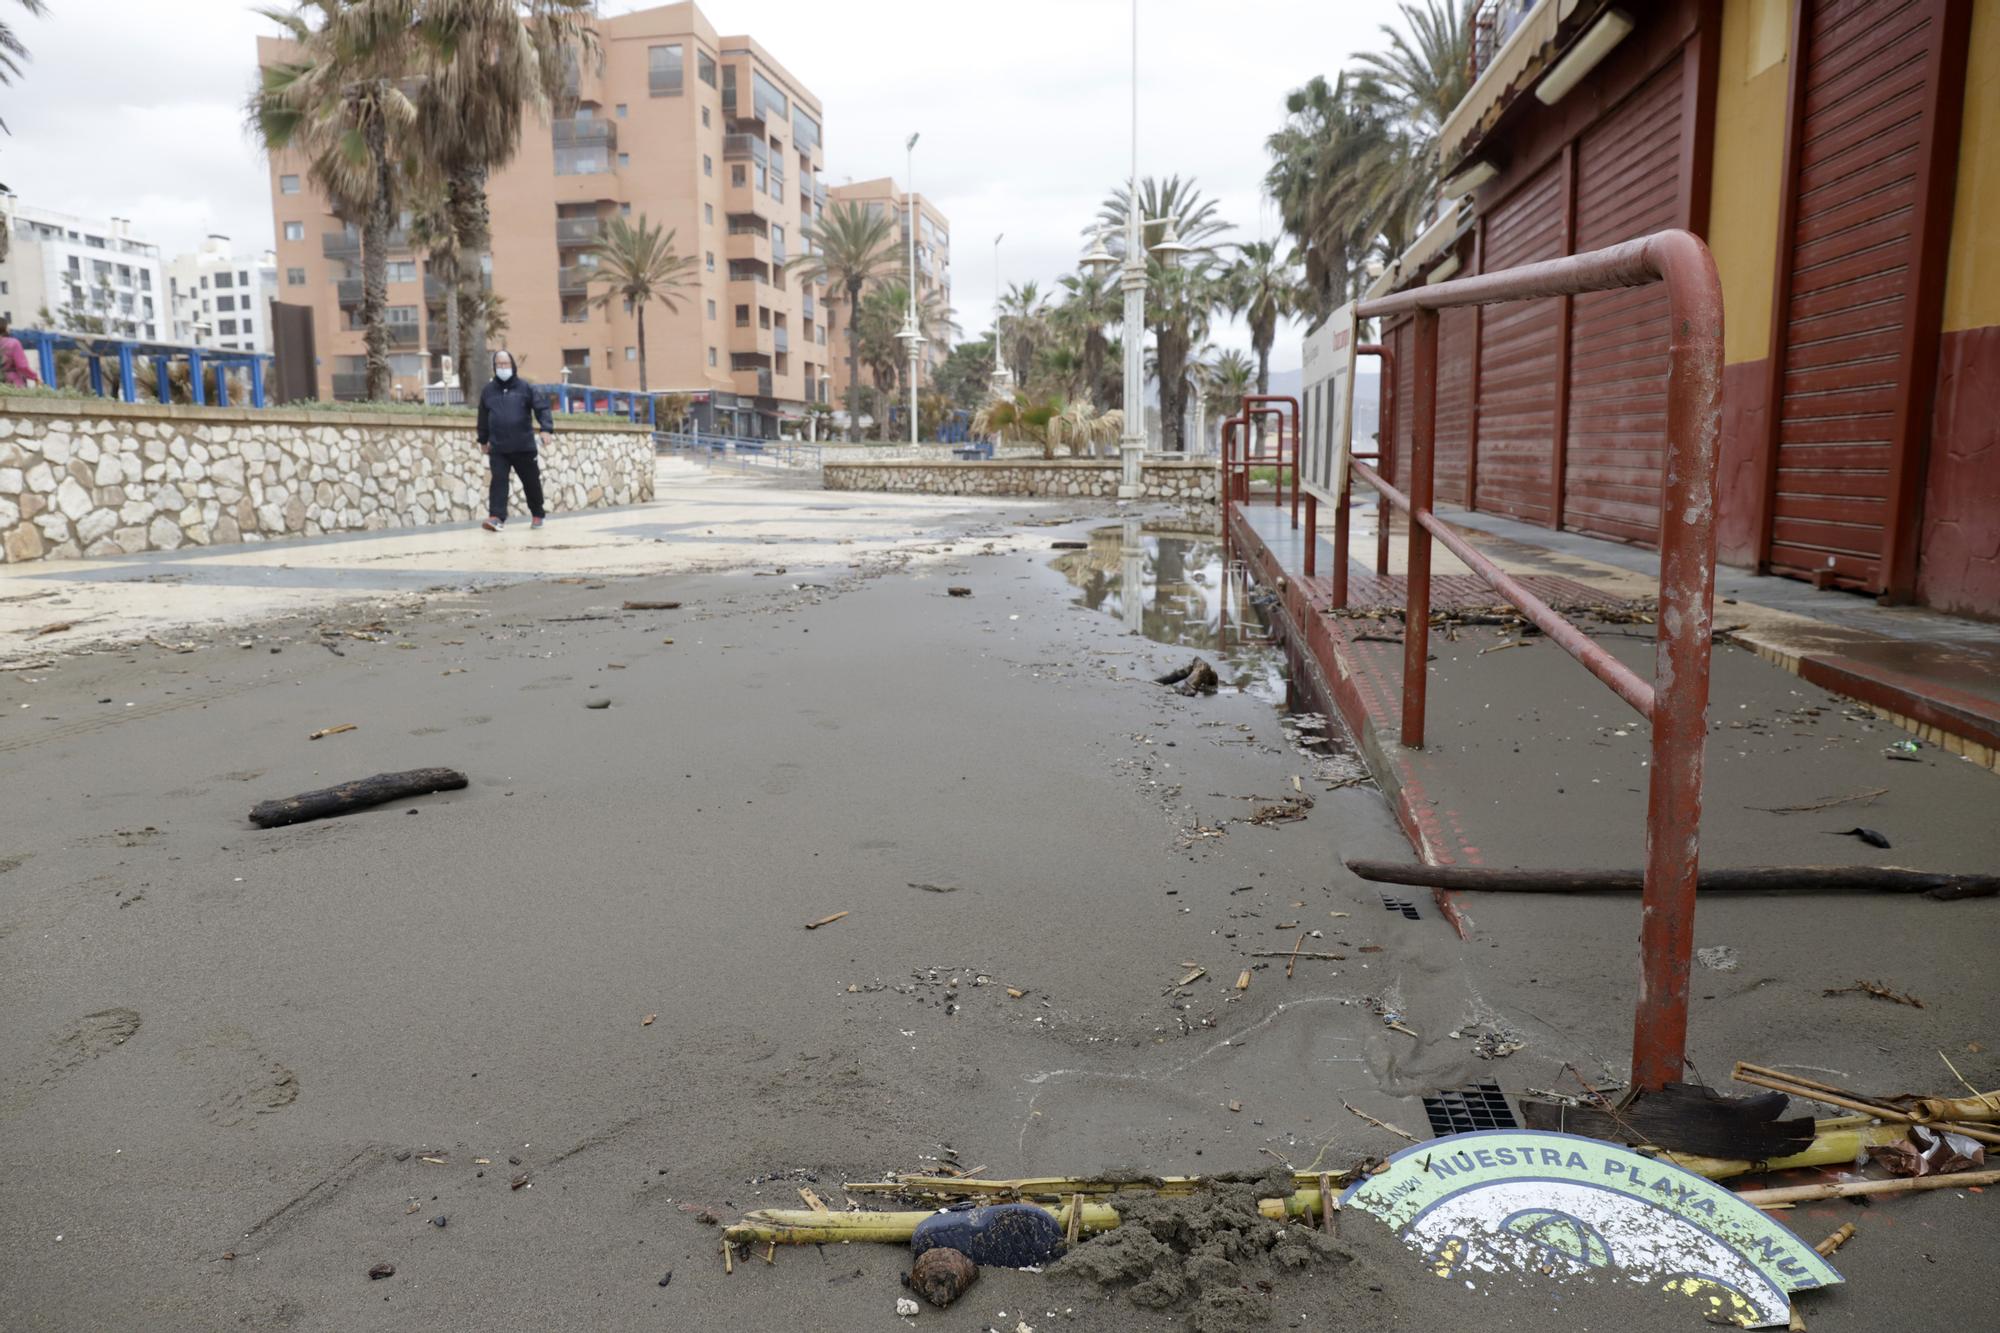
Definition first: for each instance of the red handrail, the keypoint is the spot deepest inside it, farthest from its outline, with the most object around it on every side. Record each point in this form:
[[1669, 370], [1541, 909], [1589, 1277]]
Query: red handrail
[[1675, 701], [1268, 404]]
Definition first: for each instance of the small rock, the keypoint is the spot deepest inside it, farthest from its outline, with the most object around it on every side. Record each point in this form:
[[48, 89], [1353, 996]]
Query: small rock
[[958, 591], [906, 1307], [598, 703], [941, 1275], [440, 1221], [668, 1278], [380, 1271], [1719, 958]]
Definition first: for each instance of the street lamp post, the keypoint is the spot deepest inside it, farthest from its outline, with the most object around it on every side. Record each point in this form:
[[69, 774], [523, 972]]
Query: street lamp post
[[1002, 385], [912, 336]]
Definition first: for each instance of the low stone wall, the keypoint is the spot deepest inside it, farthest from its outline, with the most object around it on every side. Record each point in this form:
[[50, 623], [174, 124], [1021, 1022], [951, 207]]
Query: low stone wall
[[1191, 485], [90, 477], [841, 451]]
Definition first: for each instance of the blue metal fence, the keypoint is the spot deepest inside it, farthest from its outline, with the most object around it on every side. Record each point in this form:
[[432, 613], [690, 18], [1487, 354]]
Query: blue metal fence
[[113, 363]]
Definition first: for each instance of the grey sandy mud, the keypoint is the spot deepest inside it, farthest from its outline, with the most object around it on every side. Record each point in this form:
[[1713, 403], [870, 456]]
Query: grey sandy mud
[[345, 1029]]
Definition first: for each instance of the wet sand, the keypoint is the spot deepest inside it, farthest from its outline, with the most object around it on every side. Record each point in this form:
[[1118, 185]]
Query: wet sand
[[226, 1040]]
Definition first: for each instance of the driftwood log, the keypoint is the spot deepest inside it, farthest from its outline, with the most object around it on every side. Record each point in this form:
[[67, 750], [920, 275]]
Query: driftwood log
[[1687, 1118], [357, 795], [1197, 677], [1942, 886]]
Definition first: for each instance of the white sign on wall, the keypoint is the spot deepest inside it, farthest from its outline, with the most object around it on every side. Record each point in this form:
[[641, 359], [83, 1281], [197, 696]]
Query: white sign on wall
[[1328, 387]]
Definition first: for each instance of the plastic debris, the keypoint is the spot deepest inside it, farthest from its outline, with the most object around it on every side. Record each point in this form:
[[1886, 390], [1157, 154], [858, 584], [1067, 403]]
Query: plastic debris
[[1930, 1152]]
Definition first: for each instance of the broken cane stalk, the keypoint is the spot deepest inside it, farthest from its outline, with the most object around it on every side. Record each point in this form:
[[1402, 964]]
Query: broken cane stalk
[[1852, 1188], [1748, 879]]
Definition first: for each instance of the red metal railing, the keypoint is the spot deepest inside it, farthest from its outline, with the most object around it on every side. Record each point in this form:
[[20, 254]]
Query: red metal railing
[[1236, 465], [1675, 701]]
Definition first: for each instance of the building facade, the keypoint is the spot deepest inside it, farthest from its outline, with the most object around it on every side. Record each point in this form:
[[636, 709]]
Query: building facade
[[707, 136], [222, 299], [1837, 157], [97, 267], [933, 259]]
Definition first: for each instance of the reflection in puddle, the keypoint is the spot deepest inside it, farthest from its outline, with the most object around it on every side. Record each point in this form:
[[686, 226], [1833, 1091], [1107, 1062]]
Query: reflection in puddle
[[1186, 596]]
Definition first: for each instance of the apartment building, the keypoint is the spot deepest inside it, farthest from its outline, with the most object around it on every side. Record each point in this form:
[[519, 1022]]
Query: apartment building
[[933, 255], [708, 136], [219, 298], [59, 262]]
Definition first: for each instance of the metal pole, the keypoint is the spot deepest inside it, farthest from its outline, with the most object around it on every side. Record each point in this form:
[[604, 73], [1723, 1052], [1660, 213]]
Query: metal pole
[[916, 342], [1312, 535], [1132, 439], [1417, 578]]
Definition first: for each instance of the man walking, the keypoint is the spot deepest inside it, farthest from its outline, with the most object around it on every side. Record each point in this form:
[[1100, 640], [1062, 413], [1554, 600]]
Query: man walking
[[509, 412]]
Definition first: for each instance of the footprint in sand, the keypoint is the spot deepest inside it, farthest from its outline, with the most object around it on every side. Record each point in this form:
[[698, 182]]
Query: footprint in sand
[[102, 1031], [248, 1083]]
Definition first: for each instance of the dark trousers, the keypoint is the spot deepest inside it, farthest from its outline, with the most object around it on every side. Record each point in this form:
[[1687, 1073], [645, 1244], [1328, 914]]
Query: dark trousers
[[528, 468]]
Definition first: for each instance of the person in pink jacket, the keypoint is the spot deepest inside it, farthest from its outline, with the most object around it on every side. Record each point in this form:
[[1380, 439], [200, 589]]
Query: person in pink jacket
[[15, 367]]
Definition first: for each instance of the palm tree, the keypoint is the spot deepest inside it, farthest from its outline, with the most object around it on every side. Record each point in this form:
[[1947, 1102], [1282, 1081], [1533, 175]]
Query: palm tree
[[1179, 296], [1224, 382], [1339, 175], [12, 52], [1022, 417], [1080, 424], [1024, 314], [638, 265], [883, 311], [847, 247], [1263, 289], [1090, 303], [341, 105], [1426, 75], [480, 66], [431, 233]]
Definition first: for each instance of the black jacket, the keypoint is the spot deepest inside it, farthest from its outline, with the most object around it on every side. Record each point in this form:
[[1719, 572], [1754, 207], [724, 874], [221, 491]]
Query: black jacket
[[508, 411]]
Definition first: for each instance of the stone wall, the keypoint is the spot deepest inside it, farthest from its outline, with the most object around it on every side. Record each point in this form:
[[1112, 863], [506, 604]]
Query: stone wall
[[842, 451], [1191, 485], [92, 477]]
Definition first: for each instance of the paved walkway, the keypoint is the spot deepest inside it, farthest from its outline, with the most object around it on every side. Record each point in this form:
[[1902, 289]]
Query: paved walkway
[[701, 520]]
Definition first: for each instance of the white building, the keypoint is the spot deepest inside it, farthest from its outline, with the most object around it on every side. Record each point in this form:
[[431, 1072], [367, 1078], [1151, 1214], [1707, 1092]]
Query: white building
[[58, 261], [220, 299]]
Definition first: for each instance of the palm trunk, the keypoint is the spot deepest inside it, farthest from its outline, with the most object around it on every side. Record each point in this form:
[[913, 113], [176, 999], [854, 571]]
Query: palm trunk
[[471, 226], [853, 361], [1261, 339], [1171, 358], [375, 229], [642, 346], [451, 326]]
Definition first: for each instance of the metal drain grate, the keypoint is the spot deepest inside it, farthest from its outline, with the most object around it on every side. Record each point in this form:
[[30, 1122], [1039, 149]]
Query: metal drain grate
[[1474, 1106], [1403, 905]]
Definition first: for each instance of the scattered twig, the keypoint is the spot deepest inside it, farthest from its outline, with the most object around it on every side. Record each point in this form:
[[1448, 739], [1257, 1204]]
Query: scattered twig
[[1835, 1241], [1383, 1124], [331, 731], [824, 921], [1292, 961], [1861, 796], [1879, 991], [652, 606], [1985, 1098], [1503, 647]]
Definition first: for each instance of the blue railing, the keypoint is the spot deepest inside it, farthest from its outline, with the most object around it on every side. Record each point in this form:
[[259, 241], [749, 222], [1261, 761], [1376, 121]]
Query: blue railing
[[113, 364], [743, 451]]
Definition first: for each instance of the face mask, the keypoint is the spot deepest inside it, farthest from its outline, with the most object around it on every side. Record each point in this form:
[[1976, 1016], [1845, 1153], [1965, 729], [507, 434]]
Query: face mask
[[505, 372]]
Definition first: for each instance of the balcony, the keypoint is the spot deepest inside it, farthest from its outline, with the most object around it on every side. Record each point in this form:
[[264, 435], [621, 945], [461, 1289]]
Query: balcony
[[347, 245], [752, 382], [579, 231], [819, 193], [745, 148], [347, 291], [350, 388], [809, 305], [586, 133], [436, 289], [403, 335], [743, 243], [574, 279], [748, 338], [781, 339], [748, 275]]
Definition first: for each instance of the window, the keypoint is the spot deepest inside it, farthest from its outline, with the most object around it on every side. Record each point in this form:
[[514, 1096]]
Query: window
[[711, 356], [246, 326], [631, 353], [226, 326], [708, 214], [805, 130], [242, 278], [737, 175], [704, 68], [225, 303], [295, 231], [704, 117], [663, 70], [621, 111], [711, 302], [406, 365], [625, 210], [402, 270], [710, 257], [743, 317], [585, 112], [624, 161], [295, 277], [765, 96], [204, 282], [583, 159], [707, 165]]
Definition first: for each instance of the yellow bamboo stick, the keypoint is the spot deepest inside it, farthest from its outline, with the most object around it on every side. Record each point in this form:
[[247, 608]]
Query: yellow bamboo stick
[[1830, 1147], [800, 1226]]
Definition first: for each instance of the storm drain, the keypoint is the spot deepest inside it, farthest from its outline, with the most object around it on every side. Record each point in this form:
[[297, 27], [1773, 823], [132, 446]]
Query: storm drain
[[1403, 905], [1463, 1110]]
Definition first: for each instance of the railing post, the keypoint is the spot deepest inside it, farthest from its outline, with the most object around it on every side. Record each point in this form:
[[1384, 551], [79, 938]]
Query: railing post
[[162, 387], [221, 383], [1680, 711], [256, 381], [128, 390], [1343, 523], [1417, 578], [197, 392], [45, 352], [1312, 536], [96, 375], [1295, 463]]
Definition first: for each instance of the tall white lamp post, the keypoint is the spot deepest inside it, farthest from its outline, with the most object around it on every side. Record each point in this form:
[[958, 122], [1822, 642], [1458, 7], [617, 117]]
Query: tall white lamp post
[[1132, 441], [912, 336], [1002, 385]]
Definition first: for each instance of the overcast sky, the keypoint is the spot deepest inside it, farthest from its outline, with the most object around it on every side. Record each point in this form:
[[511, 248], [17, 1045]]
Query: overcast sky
[[134, 108]]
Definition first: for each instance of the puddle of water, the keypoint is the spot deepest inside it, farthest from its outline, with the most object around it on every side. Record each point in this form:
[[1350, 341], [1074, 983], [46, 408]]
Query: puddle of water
[[1175, 588]]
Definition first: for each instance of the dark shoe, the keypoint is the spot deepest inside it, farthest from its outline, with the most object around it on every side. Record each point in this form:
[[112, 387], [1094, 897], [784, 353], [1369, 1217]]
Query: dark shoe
[[493, 524], [537, 521]]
